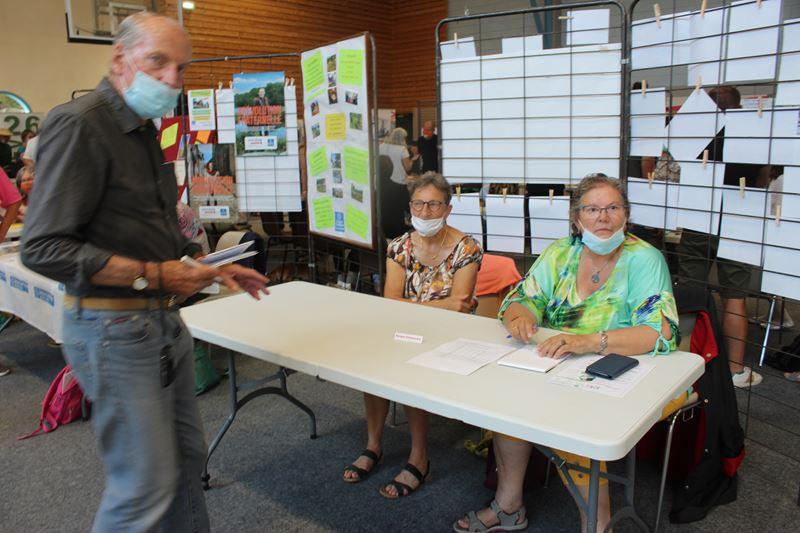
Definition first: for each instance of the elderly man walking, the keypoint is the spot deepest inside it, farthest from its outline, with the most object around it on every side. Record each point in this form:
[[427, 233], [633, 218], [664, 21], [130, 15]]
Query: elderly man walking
[[104, 222]]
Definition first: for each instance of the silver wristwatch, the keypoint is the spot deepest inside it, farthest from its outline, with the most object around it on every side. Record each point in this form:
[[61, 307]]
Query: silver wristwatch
[[140, 282], [603, 343]]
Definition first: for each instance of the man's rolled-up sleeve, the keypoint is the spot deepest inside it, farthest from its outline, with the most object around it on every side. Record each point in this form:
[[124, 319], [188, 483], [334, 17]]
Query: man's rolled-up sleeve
[[71, 173]]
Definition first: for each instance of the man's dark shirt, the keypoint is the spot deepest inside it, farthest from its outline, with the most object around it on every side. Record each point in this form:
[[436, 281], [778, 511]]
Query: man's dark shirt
[[102, 189], [429, 150]]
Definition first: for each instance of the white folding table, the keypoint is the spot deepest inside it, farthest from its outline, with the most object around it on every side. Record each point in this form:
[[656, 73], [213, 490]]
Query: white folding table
[[348, 338]]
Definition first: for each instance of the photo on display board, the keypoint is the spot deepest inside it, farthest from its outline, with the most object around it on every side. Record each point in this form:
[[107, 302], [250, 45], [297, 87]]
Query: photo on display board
[[338, 192], [356, 121], [314, 108], [211, 181], [260, 113], [331, 79], [333, 98], [321, 185], [357, 193], [315, 130], [331, 63], [336, 160], [337, 176], [351, 97]]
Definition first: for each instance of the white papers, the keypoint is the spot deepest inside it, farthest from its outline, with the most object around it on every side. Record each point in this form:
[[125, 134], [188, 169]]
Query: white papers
[[202, 115], [572, 375], [226, 133], [588, 26], [647, 132], [748, 15], [463, 48], [528, 358], [461, 356], [747, 137], [466, 214], [228, 255], [788, 92], [549, 221], [514, 45], [505, 223], [694, 126], [780, 284], [649, 203]]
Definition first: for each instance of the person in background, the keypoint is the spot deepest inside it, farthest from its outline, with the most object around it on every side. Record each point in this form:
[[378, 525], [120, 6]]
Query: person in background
[[428, 144], [29, 155], [6, 157], [211, 169], [192, 228], [25, 136], [394, 145], [104, 223], [435, 265], [24, 181], [10, 201], [416, 159]]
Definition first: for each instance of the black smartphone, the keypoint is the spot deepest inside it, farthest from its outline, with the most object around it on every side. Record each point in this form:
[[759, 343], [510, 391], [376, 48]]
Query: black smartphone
[[611, 366]]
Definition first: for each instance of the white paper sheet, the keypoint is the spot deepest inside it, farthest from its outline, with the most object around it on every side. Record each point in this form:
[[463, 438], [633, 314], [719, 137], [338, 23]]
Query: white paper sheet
[[548, 221], [463, 70], [649, 203], [740, 239], [780, 284], [694, 126], [505, 223], [461, 148], [569, 375], [528, 358], [647, 132], [501, 67], [466, 214], [460, 111], [461, 356], [752, 205], [748, 15], [464, 90], [514, 45], [587, 26], [463, 49], [708, 175]]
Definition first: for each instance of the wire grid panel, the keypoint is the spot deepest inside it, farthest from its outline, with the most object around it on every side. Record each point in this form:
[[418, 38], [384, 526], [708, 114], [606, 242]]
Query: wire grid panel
[[529, 114], [715, 130]]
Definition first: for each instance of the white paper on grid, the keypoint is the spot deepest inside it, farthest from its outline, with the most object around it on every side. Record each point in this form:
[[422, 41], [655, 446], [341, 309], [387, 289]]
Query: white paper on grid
[[649, 203], [788, 92], [464, 49], [791, 36], [782, 247], [754, 68], [466, 214], [780, 284], [514, 45], [505, 223], [740, 238], [588, 26], [694, 126], [748, 15]]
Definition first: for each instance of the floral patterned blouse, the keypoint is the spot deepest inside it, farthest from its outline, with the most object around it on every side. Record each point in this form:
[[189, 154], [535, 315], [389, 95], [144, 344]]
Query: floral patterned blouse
[[425, 283], [638, 292]]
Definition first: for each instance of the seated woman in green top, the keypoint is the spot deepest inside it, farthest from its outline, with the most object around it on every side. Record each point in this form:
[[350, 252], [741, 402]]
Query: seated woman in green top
[[611, 293]]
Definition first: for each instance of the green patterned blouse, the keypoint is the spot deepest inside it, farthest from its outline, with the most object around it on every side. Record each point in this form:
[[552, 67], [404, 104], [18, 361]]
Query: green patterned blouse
[[638, 292]]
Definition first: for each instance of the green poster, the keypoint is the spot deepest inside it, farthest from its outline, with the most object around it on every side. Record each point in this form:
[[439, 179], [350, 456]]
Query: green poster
[[351, 67], [323, 212], [318, 161], [356, 221], [356, 164], [313, 74]]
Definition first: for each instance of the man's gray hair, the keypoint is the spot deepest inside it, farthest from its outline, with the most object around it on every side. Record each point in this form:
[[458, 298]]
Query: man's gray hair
[[133, 28]]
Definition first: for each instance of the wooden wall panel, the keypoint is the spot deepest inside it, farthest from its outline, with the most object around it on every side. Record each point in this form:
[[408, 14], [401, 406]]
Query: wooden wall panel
[[403, 33]]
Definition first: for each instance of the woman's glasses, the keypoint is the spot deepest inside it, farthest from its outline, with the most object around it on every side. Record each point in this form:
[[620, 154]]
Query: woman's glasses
[[434, 205], [592, 211]]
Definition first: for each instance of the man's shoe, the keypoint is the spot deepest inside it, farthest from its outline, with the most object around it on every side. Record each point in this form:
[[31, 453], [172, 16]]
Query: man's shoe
[[4, 370], [746, 378]]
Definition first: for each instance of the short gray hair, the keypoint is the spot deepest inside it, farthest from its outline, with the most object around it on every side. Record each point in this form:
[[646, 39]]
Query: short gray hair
[[589, 182], [133, 28], [430, 178], [397, 136]]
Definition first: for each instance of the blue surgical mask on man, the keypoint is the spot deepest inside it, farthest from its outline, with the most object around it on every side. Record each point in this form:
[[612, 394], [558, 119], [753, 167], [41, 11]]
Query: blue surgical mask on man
[[148, 97], [599, 245]]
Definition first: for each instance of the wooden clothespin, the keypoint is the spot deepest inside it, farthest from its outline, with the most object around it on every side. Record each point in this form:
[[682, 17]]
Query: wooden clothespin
[[650, 177], [551, 192], [657, 12], [230, 84], [760, 107], [286, 82], [778, 215], [758, 4], [505, 193], [458, 192], [698, 84], [644, 87], [703, 8], [705, 158], [742, 183], [565, 17], [455, 39], [219, 85]]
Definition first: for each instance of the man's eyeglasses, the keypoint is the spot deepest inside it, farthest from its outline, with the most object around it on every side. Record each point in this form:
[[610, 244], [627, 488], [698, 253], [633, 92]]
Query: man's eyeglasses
[[434, 205], [592, 211]]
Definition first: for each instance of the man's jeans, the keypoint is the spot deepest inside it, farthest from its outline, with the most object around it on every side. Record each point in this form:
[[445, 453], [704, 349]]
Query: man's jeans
[[149, 437]]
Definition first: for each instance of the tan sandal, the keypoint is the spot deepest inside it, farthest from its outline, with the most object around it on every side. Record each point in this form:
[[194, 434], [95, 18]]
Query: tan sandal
[[508, 521]]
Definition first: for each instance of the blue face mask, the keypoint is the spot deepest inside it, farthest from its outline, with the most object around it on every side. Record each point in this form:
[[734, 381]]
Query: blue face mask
[[602, 246], [150, 98]]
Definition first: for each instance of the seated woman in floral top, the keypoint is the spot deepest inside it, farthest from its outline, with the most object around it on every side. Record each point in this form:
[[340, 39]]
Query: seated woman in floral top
[[436, 265], [611, 293]]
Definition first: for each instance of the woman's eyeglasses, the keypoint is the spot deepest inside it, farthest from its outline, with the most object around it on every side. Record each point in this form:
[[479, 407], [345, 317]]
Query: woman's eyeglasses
[[592, 211], [434, 205]]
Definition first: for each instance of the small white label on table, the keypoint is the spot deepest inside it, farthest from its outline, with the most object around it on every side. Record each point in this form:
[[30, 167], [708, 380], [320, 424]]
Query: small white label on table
[[214, 212], [461, 356], [574, 376], [407, 337]]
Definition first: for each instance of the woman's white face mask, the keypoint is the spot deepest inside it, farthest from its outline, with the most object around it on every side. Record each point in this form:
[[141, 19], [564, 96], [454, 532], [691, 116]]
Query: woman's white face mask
[[427, 227]]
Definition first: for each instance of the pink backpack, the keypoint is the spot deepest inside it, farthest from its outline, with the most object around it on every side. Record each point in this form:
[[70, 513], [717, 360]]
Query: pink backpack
[[63, 403]]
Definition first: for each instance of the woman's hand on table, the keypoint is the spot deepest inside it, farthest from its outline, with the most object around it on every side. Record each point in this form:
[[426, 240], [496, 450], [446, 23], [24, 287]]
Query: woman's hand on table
[[520, 322], [461, 304], [563, 344]]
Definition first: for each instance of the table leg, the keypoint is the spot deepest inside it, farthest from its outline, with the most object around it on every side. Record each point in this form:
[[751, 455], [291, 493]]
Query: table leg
[[234, 407], [594, 491]]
